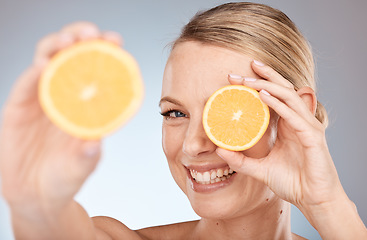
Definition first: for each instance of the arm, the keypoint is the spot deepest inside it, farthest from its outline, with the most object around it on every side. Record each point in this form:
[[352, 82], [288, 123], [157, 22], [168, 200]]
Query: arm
[[70, 222], [42, 168]]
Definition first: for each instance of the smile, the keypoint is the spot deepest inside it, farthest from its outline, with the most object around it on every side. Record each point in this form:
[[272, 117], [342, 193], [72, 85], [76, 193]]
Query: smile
[[212, 176]]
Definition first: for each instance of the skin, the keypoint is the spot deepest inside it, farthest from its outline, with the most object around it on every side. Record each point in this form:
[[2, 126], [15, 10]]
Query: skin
[[293, 167]]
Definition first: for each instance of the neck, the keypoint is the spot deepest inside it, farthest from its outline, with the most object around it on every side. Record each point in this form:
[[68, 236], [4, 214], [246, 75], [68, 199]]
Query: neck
[[269, 222]]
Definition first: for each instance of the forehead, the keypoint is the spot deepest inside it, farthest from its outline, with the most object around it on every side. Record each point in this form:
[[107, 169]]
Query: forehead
[[199, 70]]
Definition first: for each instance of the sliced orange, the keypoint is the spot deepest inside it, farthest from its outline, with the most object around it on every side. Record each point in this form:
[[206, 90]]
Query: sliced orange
[[235, 118], [91, 88]]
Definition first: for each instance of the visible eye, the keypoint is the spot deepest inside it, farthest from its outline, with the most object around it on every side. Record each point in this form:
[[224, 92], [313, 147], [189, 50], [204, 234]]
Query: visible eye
[[173, 114]]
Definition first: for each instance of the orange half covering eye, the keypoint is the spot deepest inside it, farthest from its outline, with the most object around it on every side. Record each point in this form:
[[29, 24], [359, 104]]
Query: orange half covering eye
[[235, 118]]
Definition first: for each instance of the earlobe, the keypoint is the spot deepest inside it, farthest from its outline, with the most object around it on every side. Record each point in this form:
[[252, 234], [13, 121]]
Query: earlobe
[[309, 97]]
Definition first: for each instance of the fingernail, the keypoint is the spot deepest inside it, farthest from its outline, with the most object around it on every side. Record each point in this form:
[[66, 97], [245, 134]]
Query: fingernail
[[235, 76], [258, 63], [265, 92], [250, 79], [236, 79], [218, 149], [91, 149], [41, 62], [88, 32]]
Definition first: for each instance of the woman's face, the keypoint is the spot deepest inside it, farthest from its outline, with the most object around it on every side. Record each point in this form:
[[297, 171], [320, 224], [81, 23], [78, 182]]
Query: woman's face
[[193, 73]]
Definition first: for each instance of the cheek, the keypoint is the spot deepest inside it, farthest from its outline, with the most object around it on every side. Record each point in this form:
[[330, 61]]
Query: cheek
[[171, 142], [164, 140]]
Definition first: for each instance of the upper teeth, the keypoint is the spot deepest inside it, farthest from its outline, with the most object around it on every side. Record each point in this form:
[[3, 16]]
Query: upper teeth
[[212, 176]]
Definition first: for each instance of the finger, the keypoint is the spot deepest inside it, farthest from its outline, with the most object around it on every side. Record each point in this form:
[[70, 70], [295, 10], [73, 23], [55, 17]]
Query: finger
[[82, 30], [49, 45], [235, 79], [270, 74], [243, 164], [289, 115], [286, 95], [113, 37]]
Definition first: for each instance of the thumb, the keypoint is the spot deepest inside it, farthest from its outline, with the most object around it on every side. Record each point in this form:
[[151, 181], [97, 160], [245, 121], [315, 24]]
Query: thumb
[[26, 87], [242, 164]]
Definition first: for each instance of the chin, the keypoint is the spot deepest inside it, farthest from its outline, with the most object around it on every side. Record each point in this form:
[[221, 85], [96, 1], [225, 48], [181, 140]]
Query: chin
[[240, 197], [218, 208]]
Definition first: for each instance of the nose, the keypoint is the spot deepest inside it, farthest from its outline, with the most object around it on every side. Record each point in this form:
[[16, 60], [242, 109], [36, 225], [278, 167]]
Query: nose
[[196, 142]]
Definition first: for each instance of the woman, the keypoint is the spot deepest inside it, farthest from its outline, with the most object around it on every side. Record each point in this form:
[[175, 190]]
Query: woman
[[236, 43]]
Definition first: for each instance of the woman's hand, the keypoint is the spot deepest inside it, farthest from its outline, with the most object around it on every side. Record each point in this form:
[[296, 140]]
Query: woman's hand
[[42, 168], [299, 168]]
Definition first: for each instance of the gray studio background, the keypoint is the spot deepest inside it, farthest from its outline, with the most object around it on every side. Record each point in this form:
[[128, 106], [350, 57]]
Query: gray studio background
[[132, 182]]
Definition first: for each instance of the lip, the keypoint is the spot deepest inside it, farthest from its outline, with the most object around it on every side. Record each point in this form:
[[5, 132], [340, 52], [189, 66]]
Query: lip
[[208, 188]]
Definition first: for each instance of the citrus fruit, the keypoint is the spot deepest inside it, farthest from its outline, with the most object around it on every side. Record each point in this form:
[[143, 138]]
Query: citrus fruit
[[235, 118], [91, 88]]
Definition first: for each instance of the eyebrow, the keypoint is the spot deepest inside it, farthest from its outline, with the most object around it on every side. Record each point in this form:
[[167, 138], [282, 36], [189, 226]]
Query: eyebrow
[[171, 100]]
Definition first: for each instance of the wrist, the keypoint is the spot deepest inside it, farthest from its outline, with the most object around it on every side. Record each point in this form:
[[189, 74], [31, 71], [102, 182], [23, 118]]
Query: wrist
[[71, 222], [37, 211], [317, 214], [35, 218], [336, 219]]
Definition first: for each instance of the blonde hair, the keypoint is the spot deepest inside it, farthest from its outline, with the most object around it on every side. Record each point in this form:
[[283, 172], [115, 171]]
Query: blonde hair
[[259, 31]]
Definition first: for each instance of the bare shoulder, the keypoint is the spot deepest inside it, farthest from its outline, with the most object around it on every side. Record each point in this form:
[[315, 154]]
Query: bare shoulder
[[112, 229], [168, 232], [109, 228], [297, 237]]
